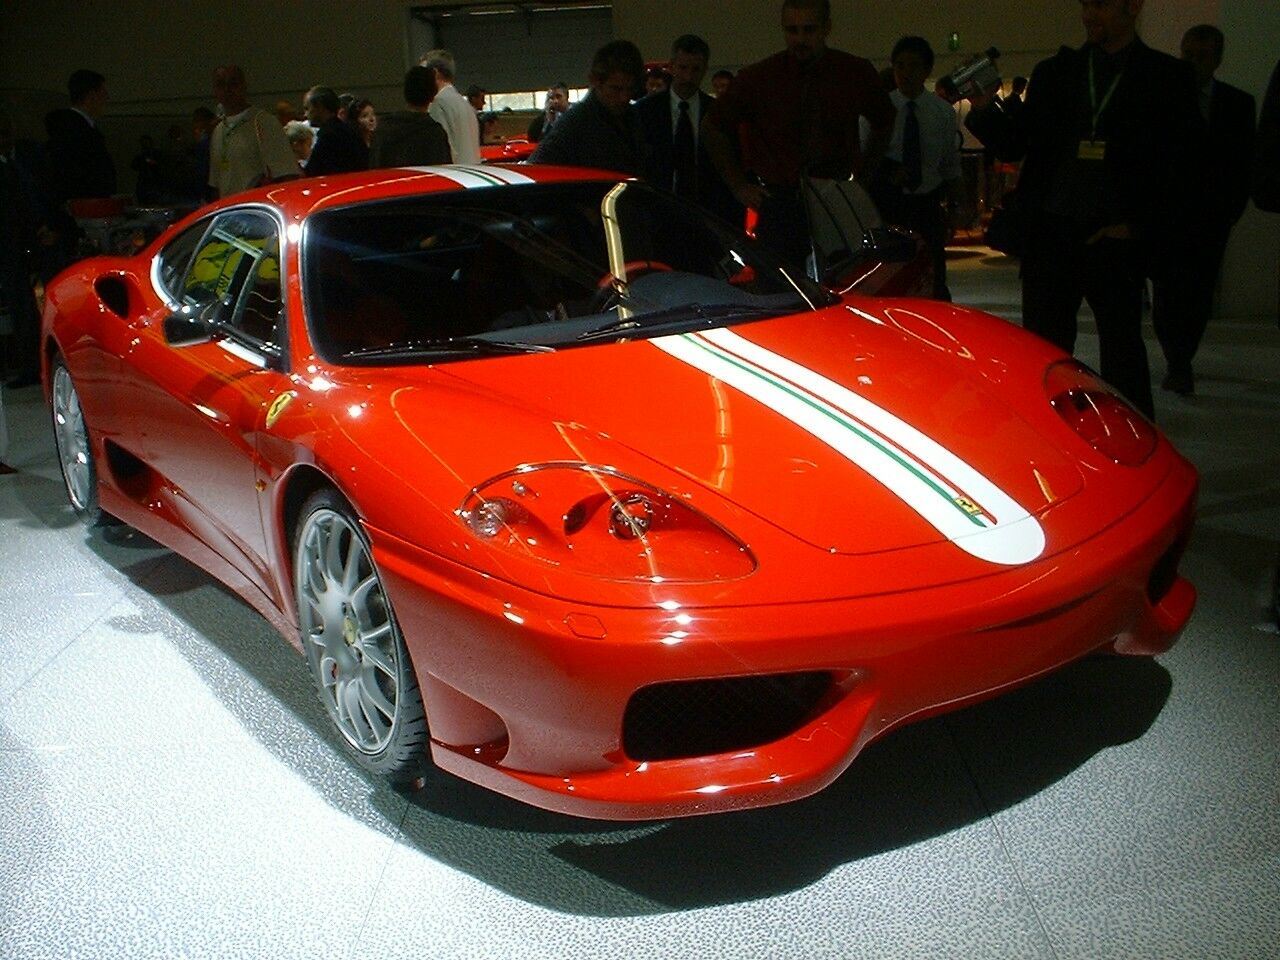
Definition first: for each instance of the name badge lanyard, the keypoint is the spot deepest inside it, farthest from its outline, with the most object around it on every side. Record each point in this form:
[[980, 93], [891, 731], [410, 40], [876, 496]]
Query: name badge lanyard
[[1095, 149]]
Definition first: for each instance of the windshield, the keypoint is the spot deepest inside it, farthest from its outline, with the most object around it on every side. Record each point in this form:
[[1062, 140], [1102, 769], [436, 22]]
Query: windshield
[[530, 268]]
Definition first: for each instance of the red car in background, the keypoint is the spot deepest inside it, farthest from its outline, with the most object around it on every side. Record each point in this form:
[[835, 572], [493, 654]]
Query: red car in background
[[509, 151], [581, 495]]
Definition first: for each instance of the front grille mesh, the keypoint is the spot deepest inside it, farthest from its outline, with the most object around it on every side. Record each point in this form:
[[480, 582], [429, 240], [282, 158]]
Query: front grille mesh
[[691, 718]]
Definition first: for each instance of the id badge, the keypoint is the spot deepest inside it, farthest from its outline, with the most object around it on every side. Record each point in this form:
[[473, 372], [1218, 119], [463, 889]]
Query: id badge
[[1092, 150]]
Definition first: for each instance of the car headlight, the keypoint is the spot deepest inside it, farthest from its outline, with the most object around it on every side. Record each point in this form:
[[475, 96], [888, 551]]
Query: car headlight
[[598, 521], [1099, 414]]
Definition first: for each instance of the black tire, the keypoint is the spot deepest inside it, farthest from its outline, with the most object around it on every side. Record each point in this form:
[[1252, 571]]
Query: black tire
[[75, 448], [358, 659]]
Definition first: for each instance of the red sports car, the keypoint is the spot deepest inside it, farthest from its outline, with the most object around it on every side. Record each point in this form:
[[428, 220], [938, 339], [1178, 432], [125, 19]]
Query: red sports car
[[581, 495], [508, 151]]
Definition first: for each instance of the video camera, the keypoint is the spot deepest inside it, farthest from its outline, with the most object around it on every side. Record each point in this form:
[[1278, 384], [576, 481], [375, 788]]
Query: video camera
[[977, 77]]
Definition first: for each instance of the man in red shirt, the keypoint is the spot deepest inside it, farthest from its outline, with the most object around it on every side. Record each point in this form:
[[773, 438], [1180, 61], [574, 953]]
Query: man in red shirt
[[797, 112]]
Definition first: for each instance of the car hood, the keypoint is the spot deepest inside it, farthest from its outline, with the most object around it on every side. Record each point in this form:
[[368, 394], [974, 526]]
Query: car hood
[[854, 436]]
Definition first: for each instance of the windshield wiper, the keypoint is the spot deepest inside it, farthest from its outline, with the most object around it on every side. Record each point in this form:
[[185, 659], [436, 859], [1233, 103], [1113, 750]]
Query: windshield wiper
[[472, 345], [708, 315]]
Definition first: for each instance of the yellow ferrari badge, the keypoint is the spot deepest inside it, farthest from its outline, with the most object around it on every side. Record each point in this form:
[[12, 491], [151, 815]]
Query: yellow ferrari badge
[[277, 408]]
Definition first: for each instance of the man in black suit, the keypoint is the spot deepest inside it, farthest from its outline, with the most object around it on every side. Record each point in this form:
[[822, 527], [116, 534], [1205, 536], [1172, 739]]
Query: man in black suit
[[338, 148], [556, 106], [670, 119], [1183, 291], [601, 130], [410, 138], [78, 162], [1108, 135]]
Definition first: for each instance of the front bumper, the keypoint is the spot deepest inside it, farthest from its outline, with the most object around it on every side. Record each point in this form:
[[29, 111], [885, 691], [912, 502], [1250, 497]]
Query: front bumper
[[526, 694]]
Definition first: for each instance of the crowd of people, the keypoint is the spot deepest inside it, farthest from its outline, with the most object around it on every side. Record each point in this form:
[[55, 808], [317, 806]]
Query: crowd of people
[[1114, 139], [341, 133]]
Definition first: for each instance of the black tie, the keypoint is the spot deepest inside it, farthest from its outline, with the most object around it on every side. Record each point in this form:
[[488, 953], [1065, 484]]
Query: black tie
[[682, 154], [911, 148]]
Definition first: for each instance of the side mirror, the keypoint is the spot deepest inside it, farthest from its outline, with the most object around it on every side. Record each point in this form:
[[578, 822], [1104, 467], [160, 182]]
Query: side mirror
[[182, 329]]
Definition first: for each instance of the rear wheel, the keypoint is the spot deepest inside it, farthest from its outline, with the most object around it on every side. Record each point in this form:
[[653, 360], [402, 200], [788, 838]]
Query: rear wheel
[[357, 656], [75, 451]]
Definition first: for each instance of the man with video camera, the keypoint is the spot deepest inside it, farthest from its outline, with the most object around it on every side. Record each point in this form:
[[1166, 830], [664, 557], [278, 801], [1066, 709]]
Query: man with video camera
[[1109, 136]]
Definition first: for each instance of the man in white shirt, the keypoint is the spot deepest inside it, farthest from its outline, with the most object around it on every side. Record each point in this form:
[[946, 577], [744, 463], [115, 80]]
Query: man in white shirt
[[451, 110], [248, 148], [922, 165]]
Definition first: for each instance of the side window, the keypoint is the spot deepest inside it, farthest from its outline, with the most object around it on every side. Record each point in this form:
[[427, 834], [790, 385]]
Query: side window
[[176, 257], [234, 277], [260, 314]]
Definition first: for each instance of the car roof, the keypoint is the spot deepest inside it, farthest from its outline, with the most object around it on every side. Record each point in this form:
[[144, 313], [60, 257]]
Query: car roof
[[302, 197]]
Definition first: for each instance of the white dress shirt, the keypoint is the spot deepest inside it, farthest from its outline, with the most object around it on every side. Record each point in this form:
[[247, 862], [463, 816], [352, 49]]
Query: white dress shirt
[[939, 143], [451, 110]]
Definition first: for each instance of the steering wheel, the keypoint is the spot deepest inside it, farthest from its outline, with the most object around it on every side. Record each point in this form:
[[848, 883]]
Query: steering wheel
[[632, 268]]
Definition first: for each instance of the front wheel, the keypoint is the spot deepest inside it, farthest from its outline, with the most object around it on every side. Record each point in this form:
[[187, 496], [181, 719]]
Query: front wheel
[[357, 656], [75, 451]]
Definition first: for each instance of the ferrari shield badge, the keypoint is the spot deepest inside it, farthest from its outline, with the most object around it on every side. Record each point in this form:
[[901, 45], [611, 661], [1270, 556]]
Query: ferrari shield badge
[[277, 407]]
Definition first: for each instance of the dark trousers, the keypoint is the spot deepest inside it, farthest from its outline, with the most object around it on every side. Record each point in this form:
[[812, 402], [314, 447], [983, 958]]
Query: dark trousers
[[1182, 300], [923, 214], [784, 227], [1058, 271]]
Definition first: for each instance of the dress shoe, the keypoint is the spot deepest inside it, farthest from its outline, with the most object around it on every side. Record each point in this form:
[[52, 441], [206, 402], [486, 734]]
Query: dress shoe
[[1182, 384]]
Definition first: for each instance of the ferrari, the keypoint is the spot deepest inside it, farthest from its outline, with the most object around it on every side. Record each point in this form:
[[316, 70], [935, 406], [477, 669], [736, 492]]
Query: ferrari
[[565, 487]]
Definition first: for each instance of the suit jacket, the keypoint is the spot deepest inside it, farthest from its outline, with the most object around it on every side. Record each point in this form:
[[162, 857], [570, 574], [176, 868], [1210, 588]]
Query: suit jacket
[[338, 149], [408, 138], [77, 158], [654, 112], [588, 135], [1230, 155], [538, 126], [1154, 138]]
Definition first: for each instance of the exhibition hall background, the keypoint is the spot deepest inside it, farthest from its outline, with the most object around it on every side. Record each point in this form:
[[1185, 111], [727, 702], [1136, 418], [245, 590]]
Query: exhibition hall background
[[158, 58]]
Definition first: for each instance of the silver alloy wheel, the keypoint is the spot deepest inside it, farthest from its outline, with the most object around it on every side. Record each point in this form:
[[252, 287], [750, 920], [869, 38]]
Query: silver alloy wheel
[[346, 623], [72, 440]]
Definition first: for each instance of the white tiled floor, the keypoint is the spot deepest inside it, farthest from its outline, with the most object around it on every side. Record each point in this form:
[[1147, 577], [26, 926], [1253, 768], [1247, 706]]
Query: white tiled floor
[[168, 787]]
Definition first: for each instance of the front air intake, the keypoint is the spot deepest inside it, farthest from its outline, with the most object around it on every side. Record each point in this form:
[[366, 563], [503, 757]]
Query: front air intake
[[692, 718]]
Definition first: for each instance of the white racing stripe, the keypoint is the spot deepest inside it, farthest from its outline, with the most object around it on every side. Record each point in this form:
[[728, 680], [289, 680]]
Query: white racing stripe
[[501, 173], [471, 177], [949, 494]]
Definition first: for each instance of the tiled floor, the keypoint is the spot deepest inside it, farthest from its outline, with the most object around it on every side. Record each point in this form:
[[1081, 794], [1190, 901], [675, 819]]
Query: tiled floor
[[168, 787]]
